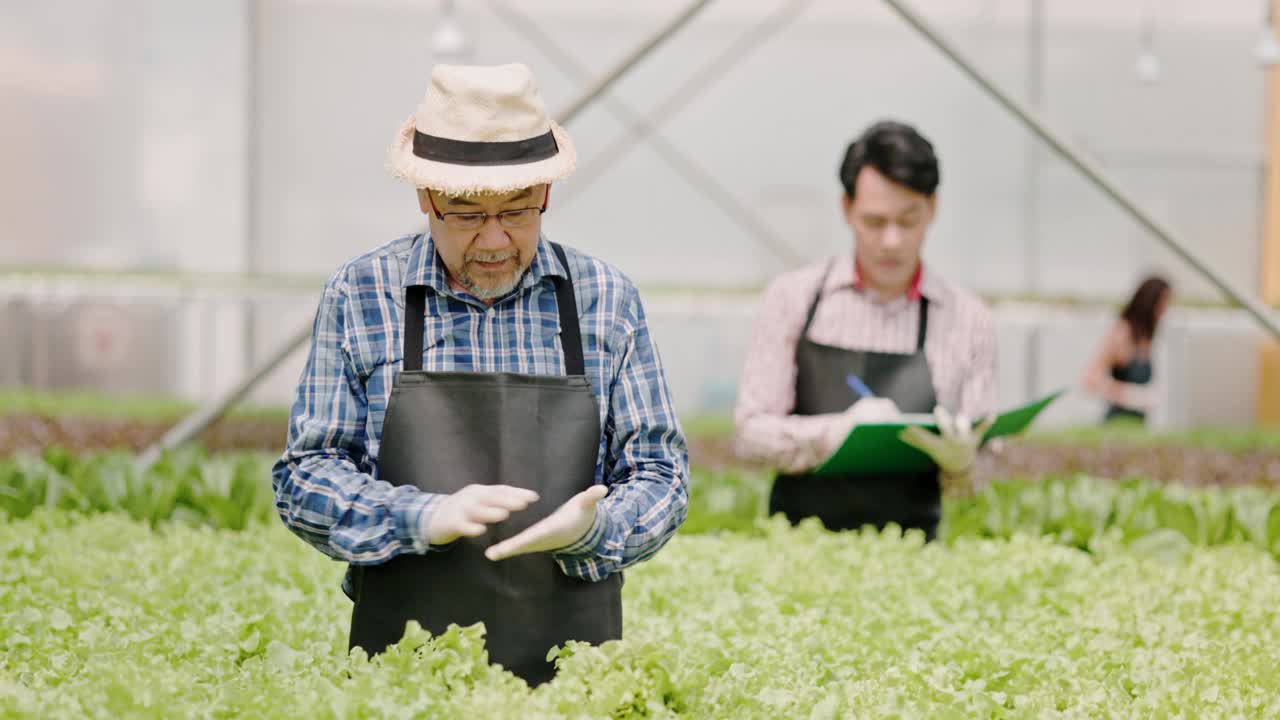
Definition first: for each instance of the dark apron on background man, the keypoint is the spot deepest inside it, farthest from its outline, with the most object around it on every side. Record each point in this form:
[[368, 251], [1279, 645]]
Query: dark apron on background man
[[446, 430], [846, 502]]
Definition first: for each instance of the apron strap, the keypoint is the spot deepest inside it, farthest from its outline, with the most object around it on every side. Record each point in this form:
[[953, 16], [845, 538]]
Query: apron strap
[[570, 332], [924, 323], [415, 310], [817, 297]]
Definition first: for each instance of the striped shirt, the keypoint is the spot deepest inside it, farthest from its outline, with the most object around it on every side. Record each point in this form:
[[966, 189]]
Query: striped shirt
[[960, 347], [326, 483]]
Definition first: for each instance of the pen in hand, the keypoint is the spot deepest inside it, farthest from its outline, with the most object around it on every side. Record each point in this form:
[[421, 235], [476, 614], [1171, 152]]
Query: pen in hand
[[855, 383]]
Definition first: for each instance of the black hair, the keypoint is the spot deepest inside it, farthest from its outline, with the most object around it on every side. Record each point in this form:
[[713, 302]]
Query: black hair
[[1140, 313], [898, 152]]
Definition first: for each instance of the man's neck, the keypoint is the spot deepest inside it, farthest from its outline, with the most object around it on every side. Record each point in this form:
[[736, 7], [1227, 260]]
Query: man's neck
[[459, 288], [888, 293]]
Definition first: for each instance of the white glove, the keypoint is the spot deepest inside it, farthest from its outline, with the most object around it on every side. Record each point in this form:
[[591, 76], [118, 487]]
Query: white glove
[[562, 528], [467, 512], [866, 411], [1136, 397], [954, 448]]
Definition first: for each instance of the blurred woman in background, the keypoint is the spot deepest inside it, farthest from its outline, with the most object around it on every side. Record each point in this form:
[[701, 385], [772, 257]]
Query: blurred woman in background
[[1121, 370]]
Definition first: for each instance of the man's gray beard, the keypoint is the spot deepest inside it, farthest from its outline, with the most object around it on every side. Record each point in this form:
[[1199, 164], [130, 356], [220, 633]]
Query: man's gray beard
[[489, 293], [492, 292]]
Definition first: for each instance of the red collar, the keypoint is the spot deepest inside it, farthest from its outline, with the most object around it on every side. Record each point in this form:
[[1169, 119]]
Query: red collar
[[913, 292]]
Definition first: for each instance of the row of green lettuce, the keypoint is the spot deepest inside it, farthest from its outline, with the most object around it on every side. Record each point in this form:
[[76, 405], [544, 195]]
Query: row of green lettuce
[[1075, 510], [1122, 433], [105, 617], [90, 404], [227, 490], [233, 491]]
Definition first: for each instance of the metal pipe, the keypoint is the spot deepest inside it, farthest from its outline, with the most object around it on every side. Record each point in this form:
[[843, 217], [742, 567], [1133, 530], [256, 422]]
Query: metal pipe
[[195, 423], [1269, 238], [693, 87], [698, 177], [192, 425], [567, 115], [1031, 215], [1035, 100], [252, 171], [1089, 170]]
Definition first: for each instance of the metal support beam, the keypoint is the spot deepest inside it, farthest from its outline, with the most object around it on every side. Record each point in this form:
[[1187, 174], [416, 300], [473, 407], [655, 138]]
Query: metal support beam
[[1088, 169], [1269, 251], [631, 60], [1035, 100], [195, 423], [698, 177], [254, 11], [192, 425], [1270, 255], [692, 88], [1031, 210]]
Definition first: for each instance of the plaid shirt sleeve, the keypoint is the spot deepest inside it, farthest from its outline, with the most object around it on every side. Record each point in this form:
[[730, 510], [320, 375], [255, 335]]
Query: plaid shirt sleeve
[[646, 465], [324, 486], [767, 433]]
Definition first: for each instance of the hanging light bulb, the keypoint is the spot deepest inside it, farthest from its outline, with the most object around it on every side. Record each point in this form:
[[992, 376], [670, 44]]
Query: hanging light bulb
[[448, 42], [1147, 66], [1268, 50]]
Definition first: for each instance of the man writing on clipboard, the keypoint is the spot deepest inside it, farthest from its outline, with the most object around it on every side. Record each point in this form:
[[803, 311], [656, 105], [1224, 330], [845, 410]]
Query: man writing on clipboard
[[864, 338]]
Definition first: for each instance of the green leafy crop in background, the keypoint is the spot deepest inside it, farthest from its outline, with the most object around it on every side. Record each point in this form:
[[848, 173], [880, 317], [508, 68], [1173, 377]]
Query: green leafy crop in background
[[233, 491], [228, 491], [1079, 510]]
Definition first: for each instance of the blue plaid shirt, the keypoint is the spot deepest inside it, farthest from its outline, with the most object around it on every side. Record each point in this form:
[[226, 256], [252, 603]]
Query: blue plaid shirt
[[326, 484]]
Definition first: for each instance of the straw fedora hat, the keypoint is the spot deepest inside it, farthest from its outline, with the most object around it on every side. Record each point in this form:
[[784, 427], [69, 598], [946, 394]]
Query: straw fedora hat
[[481, 130]]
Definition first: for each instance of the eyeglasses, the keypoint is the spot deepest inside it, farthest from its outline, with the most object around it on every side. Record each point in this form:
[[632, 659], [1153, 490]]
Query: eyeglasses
[[510, 219]]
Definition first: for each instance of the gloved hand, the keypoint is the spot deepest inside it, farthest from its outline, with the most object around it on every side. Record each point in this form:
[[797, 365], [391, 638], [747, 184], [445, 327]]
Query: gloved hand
[[954, 448], [466, 512], [865, 411], [1136, 397], [562, 528]]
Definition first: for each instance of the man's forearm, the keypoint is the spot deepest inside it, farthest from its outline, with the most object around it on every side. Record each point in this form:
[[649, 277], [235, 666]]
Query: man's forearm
[[347, 514], [790, 443]]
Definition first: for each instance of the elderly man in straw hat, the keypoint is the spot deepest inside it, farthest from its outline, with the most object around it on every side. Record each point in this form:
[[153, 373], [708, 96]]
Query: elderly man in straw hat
[[483, 429]]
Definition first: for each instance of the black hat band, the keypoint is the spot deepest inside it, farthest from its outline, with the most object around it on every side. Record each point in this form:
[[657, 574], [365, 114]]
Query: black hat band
[[466, 152]]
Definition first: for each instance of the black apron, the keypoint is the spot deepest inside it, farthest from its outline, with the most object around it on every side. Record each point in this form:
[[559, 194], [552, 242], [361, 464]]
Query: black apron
[[846, 502], [446, 430]]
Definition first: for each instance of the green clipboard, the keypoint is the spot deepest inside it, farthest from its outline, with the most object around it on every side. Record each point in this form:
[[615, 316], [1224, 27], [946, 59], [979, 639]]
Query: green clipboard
[[876, 448]]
